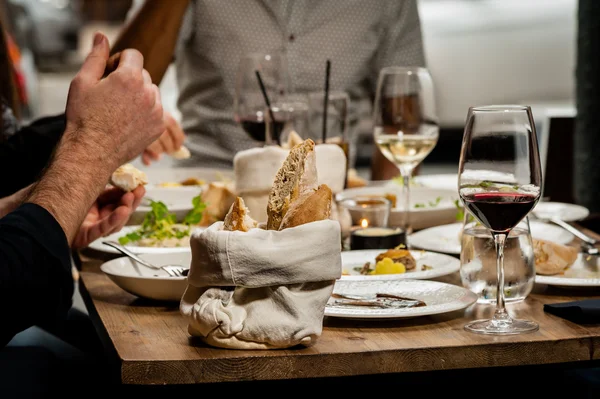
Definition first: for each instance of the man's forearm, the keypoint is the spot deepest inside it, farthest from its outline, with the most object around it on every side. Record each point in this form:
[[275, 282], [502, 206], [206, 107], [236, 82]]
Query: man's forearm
[[70, 185]]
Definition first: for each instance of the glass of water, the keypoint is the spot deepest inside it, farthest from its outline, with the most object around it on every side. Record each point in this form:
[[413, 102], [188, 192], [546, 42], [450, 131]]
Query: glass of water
[[478, 262]]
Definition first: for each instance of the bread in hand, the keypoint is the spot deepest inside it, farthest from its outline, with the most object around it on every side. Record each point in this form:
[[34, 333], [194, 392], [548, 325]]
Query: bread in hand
[[311, 207], [181, 153], [218, 198], [296, 177], [127, 177], [238, 218], [552, 258]]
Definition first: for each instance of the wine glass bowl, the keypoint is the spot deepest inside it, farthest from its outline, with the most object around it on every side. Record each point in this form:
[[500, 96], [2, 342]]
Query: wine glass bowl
[[499, 181], [249, 106], [405, 122]]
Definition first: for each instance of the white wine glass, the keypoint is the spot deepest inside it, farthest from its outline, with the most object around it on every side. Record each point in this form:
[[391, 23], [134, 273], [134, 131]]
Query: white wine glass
[[405, 122], [499, 180]]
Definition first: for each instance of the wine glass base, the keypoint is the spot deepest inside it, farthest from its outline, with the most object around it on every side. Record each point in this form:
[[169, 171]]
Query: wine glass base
[[496, 327]]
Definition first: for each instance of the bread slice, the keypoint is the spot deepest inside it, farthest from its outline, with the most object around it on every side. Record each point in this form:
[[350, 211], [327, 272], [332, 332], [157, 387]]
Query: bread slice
[[296, 177], [218, 198], [127, 177], [238, 218], [181, 153], [311, 207], [552, 258], [293, 140]]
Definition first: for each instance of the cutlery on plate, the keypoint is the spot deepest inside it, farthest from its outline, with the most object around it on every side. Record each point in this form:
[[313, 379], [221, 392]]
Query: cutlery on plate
[[172, 270], [378, 300]]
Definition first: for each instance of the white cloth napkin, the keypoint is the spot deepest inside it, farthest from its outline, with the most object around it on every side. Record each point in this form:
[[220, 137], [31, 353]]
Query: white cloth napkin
[[261, 289], [255, 171]]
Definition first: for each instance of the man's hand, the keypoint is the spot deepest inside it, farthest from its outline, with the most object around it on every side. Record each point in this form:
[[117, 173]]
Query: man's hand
[[110, 121], [108, 215], [170, 141]]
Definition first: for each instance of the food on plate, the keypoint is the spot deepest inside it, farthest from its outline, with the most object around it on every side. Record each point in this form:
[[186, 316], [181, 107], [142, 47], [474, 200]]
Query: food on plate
[[294, 179], [190, 181], [160, 227], [127, 177], [238, 218], [181, 153], [393, 261], [552, 258], [354, 180], [218, 197]]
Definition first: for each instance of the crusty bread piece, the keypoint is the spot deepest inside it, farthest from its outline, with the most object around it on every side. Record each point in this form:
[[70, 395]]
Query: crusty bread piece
[[127, 177], [293, 140], [296, 177], [311, 207], [552, 258], [238, 218], [181, 153], [218, 198]]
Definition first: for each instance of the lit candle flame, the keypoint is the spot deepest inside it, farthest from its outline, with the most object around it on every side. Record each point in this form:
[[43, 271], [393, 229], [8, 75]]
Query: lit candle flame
[[364, 223]]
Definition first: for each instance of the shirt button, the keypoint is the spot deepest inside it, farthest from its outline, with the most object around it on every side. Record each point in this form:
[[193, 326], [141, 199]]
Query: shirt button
[[291, 38]]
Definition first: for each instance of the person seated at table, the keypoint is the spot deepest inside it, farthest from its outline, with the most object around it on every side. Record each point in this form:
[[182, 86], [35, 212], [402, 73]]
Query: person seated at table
[[108, 122]]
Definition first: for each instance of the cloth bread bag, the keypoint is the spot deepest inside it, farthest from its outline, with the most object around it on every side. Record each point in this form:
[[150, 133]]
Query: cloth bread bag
[[261, 289], [255, 169], [267, 288]]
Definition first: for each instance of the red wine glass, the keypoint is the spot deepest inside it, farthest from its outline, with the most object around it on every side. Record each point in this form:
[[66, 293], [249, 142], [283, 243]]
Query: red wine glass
[[249, 106], [499, 181]]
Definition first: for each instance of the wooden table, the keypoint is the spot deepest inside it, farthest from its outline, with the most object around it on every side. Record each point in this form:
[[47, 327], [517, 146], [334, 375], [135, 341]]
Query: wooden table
[[152, 345]]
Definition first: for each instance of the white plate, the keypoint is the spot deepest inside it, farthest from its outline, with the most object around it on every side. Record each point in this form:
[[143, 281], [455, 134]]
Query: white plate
[[441, 264], [585, 272], [438, 297], [561, 210], [158, 175], [442, 213], [177, 199], [447, 181], [98, 246], [446, 239], [147, 283]]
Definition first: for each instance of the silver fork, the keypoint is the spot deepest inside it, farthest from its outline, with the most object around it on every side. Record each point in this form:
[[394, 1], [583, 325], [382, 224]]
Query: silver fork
[[172, 270]]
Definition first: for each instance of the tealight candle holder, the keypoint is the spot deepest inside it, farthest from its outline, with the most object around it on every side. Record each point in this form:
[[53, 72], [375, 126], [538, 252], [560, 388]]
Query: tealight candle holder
[[370, 229]]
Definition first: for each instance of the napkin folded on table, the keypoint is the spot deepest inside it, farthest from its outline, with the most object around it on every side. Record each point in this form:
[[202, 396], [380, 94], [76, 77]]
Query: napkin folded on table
[[586, 311], [261, 289]]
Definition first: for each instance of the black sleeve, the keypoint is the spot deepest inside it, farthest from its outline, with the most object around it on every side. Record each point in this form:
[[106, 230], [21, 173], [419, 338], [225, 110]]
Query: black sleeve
[[25, 154], [36, 283]]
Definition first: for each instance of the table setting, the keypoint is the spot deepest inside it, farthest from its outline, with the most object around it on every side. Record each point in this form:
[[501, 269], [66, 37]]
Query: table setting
[[282, 254]]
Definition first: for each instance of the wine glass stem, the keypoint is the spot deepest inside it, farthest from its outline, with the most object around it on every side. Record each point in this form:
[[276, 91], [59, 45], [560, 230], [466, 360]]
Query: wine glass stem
[[500, 315], [406, 194]]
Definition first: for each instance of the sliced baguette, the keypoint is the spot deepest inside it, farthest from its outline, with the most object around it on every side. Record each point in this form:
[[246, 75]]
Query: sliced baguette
[[552, 258], [238, 218], [296, 177], [311, 207]]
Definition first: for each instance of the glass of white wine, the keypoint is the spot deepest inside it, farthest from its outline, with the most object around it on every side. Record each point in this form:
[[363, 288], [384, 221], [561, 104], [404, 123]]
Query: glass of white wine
[[405, 122]]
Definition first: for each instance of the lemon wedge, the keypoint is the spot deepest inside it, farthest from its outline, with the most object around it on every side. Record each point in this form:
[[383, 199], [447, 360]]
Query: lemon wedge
[[387, 266]]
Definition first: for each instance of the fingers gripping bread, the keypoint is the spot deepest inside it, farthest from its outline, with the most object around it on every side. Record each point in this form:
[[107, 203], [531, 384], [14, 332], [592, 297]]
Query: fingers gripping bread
[[296, 177], [238, 218], [311, 207], [127, 177]]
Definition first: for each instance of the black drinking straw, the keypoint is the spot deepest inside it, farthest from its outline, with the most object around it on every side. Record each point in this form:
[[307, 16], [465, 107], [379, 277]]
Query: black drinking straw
[[326, 100], [266, 97]]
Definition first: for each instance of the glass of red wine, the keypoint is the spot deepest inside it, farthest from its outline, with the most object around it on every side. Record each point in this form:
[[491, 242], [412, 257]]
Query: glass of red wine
[[249, 107], [499, 181]]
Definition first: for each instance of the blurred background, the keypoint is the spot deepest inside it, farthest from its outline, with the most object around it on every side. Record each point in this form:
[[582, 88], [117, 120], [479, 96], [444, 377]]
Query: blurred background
[[478, 51]]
